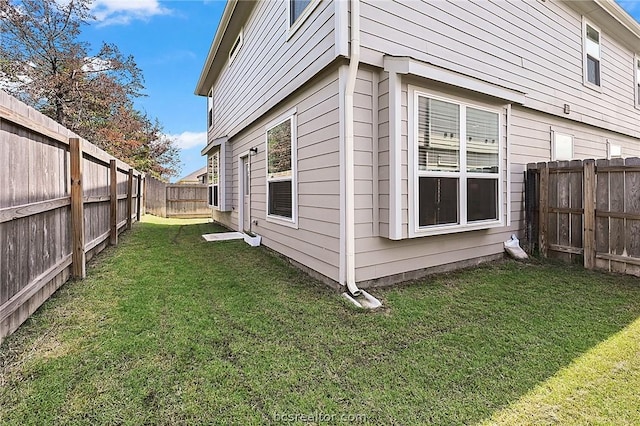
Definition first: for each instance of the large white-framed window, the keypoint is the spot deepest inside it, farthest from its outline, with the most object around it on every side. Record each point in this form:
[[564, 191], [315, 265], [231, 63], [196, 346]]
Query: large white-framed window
[[297, 13], [210, 109], [281, 157], [592, 55], [456, 165], [561, 146], [213, 178]]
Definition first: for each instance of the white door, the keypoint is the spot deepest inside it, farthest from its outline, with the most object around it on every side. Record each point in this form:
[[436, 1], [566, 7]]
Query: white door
[[246, 194]]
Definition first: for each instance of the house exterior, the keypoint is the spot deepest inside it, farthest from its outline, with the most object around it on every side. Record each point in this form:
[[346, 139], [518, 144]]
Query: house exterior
[[373, 142]]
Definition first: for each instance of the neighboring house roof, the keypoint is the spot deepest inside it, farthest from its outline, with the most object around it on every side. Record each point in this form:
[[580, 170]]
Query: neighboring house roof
[[193, 177]]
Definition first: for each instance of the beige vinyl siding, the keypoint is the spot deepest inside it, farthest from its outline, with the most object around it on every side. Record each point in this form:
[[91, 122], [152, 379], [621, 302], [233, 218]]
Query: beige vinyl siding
[[531, 138], [377, 256], [364, 154], [268, 66], [383, 153], [316, 242], [530, 46], [530, 142]]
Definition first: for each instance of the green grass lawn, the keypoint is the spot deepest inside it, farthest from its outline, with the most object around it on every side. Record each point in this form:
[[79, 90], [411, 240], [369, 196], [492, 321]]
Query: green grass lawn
[[170, 329]]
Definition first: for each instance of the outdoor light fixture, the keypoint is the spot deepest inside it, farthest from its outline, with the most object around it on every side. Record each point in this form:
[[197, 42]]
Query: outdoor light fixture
[[253, 150]]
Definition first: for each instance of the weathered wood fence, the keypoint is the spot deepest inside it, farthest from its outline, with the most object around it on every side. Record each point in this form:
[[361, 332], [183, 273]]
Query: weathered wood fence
[[586, 210], [176, 200], [62, 200]]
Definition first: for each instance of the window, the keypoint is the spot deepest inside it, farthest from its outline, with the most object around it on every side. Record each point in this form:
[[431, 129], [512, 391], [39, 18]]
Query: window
[[637, 79], [213, 167], [237, 44], [210, 109], [561, 146], [296, 7], [591, 49], [281, 166], [457, 165], [613, 150]]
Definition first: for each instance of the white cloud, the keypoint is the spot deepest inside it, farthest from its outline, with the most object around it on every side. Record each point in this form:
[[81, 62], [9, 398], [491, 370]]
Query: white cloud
[[187, 140], [122, 12]]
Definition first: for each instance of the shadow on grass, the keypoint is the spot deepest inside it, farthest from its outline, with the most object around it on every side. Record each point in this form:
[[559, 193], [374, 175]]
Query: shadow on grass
[[169, 328]]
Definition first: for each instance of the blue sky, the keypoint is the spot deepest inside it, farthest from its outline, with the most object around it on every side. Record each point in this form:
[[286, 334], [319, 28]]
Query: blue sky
[[170, 41]]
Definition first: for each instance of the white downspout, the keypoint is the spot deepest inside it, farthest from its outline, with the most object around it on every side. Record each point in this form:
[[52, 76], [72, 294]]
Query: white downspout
[[354, 62]]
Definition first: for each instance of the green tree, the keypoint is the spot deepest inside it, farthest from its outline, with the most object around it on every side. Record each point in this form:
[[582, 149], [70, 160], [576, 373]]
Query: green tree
[[43, 63]]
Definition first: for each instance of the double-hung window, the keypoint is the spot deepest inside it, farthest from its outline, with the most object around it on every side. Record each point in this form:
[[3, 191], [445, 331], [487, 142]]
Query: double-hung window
[[457, 166], [213, 176], [281, 169], [592, 54]]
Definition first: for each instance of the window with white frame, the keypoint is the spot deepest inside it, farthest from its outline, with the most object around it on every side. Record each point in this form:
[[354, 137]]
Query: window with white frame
[[210, 109], [637, 79], [296, 7], [281, 167], [237, 44], [613, 150], [213, 167], [592, 54], [457, 164], [561, 146]]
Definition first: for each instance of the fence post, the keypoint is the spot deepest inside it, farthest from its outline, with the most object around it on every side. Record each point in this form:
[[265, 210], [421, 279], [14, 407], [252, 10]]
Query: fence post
[[139, 198], [113, 217], [129, 197], [78, 265], [543, 219], [589, 217]]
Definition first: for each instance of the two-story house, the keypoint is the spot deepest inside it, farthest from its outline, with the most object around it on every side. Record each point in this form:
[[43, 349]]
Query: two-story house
[[377, 141]]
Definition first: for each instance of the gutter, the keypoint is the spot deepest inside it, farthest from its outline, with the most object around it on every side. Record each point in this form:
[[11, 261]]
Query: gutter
[[215, 45], [620, 15], [358, 297]]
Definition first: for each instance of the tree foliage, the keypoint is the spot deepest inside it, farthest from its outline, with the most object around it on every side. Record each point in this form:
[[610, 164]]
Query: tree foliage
[[43, 63]]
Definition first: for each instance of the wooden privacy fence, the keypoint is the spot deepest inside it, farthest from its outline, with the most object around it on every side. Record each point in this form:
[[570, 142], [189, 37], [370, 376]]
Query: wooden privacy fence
[[588, 210], [62, 200], [176, 200]]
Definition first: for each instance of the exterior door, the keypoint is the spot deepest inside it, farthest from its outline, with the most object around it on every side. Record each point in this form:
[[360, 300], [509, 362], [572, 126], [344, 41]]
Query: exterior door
[[246, 194]]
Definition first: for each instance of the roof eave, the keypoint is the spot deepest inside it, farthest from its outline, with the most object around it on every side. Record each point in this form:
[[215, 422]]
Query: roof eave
[[620, 15], [201, 87]]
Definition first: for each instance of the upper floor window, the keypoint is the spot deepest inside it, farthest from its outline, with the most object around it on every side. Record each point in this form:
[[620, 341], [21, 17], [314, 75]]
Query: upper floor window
[[237, 44], [210, 109], [281, 169], [592, 54], [457, 165], [637, 79], [296, 7]]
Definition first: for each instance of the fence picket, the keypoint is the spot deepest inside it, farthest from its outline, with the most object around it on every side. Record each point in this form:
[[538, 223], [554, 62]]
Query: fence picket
[[601, 200], [54, 212]]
